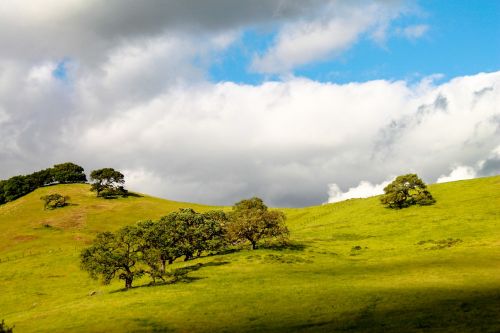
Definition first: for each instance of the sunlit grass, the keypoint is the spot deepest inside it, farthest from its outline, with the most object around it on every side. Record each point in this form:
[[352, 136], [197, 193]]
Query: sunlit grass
[[356, 266]]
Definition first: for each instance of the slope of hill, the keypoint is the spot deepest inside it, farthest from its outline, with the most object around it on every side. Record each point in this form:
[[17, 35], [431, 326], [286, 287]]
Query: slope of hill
[[354, 266]]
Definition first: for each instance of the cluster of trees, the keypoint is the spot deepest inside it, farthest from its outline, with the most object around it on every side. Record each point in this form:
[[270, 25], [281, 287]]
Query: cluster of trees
[[405, 191], [106, 182], [18, 186], [149, 246]]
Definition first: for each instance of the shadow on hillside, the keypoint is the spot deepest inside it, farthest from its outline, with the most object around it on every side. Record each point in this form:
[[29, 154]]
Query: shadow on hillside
[[283, 247], [134, 195], [178, 275], [407, 311], [152, 325], [444, 311]]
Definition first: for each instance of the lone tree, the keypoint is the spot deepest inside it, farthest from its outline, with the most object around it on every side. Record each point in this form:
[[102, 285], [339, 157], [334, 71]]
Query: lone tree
[[114, 255], [108, 183], [251, 220], [67, 173], [55, 200], [406, 190]]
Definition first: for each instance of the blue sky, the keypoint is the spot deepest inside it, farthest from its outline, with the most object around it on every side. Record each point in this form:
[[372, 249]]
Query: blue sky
[[461, 38]]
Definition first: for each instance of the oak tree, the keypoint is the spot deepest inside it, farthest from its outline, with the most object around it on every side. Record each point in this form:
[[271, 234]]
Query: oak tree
[[406, 190], [251, 220]]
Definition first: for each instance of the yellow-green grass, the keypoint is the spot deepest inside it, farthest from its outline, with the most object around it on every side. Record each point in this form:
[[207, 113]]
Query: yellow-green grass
[[392, 284]]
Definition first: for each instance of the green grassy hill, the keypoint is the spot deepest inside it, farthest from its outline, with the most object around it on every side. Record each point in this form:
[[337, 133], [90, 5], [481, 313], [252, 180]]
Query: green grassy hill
[[355, 267]]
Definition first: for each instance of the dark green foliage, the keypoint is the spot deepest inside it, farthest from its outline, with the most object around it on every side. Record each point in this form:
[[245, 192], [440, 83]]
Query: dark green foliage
[[68, 172], [18, 186], [185, 233], [440, 244], [108, 183], [2, 195], [4, 328], [42, 178], [405, 191], [212, 234], [152, 245], [55, 200], [114, 255], [195, 233], [251, 220]]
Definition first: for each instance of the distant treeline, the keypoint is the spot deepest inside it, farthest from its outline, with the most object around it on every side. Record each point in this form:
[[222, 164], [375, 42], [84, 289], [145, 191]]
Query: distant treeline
[[18, 186]]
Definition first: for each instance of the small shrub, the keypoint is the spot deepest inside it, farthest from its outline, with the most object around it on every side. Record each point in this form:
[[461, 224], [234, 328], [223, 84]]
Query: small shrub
[[440, 244], [4, 328], [53, 201]]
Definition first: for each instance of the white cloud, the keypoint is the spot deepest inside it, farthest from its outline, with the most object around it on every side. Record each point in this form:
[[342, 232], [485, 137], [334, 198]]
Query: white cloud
[[365, 189], [340, 25], [286, 140], [486, 167], [460, 172], [42, 73], [413, 31]]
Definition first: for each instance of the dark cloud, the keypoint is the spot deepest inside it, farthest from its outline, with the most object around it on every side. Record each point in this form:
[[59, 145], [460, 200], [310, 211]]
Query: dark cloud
[[86, 29], [490, 167]]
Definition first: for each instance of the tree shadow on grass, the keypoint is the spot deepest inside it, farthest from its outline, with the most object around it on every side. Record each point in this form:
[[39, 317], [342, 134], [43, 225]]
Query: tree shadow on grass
[[151, 325], [134, 195], [223, 252], [283, 247], [178, 275]]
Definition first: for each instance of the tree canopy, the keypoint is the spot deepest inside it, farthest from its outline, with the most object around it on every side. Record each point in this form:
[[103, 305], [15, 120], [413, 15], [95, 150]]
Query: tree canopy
[[251, 220], [108, 183], [68, 173], [149, 246], [114, 255], [54, 200], [406, 190]]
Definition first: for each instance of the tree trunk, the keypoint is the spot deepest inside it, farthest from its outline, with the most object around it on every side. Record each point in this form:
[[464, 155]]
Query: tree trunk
[[163, 265], [254, 245], [128, 282]]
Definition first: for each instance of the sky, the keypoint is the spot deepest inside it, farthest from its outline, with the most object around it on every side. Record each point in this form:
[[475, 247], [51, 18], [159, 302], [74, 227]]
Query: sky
[[299, 102]]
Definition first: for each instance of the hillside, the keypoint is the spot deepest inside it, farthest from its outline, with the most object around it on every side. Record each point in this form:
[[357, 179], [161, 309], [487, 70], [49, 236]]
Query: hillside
[[354, 266]]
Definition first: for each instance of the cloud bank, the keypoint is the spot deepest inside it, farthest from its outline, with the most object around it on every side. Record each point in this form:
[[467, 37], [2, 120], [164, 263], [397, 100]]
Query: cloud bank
[[114, 89], [212, 143], [365, 189], [458, 173]]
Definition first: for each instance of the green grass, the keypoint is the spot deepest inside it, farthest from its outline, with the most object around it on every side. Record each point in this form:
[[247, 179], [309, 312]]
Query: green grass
[[355, 267]]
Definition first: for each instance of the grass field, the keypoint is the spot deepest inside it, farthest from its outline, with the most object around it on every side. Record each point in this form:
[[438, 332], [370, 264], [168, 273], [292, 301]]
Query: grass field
[[354, 267]]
